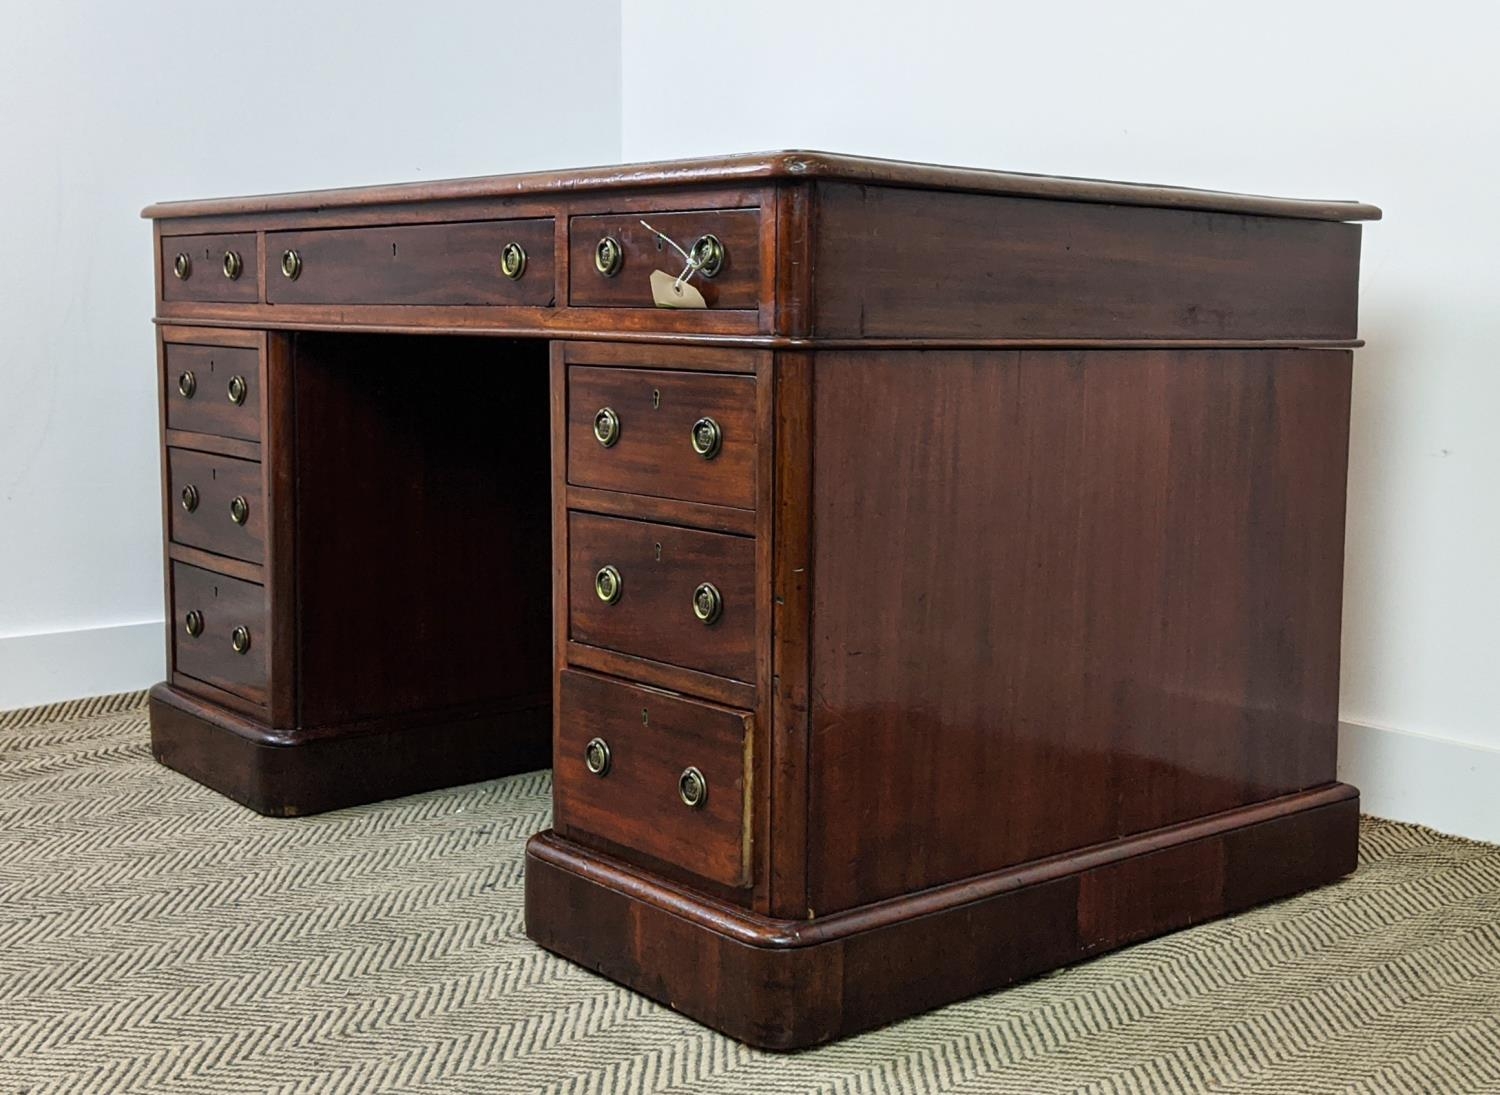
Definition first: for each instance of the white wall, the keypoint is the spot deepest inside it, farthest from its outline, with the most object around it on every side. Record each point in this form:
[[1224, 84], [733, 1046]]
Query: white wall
[[1378, 101], [106, 107]]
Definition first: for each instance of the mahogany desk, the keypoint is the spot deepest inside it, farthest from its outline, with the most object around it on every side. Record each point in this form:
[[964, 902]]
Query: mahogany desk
[[954, 596]]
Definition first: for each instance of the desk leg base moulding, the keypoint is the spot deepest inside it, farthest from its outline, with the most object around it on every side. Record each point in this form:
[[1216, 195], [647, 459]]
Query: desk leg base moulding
[[791, 984], [345, 766]]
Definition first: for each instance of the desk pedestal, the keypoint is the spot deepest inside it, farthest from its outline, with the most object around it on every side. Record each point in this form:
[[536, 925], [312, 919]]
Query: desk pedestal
[[791, 984]]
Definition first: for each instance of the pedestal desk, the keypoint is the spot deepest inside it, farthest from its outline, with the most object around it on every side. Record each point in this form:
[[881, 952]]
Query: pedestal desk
[[951, 595]]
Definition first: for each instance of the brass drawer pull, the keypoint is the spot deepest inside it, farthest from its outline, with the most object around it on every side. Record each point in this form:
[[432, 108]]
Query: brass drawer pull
[[693, 788], [239, 639], [237, 390], [192, 623], [187, 384], [291, 265], [239, 509], [182, 266], [708, 604], [606, 426], [233, 264], [608, 584], [190, 498], [708, 438], [707, 255], [608, 256], [513, 261], [596, 757]]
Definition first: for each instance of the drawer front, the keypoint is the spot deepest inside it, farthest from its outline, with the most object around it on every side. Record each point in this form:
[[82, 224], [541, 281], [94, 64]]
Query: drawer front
[[219, 631], [735, 286], [435, 264], [214, 390], [204, 492], [651, 421], [660, 568], [635, 800], [200, 268]]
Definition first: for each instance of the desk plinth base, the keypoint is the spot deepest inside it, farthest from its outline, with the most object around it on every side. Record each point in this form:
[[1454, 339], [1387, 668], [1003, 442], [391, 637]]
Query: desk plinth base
[[786, 985], [342, 766]]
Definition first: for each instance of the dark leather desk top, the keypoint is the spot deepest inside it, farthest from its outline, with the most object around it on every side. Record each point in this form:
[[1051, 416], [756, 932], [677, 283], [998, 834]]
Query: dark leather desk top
[[754, 167]]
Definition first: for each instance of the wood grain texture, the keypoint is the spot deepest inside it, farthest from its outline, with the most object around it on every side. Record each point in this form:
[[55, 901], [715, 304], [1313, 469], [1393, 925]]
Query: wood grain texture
[[1028, 524], [209, 410], [237, 756], [654, 454], [225, 604], [1068, 597], [218, 480], [661, 566], [736, 286], [206, 280], [656, 674], [427, 264], [652, 738], [786, 985], [916, 263]]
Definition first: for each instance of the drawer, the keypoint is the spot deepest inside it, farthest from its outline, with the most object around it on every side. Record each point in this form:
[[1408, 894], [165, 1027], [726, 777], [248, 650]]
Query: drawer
[[655, 612], [214, 390], [629, 788], [655, 424], [219, 268], [458, 264], [735, 286], [219, 630], [208, 493]]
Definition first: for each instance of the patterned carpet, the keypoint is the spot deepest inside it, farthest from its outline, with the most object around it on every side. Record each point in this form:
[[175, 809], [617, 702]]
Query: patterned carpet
[[159, 938]]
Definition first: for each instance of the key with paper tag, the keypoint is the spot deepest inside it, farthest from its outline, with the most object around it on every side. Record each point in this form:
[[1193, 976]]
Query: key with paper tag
[[670, 292]]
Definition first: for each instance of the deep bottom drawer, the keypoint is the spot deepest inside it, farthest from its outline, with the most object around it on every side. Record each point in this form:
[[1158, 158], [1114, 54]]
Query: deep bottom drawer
[[630, 763], [218, 631]]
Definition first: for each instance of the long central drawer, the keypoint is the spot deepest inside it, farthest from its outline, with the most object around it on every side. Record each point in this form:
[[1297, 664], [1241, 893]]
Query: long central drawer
[[469, 263]]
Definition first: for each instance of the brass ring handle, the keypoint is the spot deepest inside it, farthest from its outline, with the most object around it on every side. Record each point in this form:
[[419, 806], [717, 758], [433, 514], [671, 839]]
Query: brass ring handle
[[190, 498], [608, 585], [708, 603], [707, 255], [693, 788], [606, 426], [513, 261], [187, 384], [708, 438], [239, 639], [192, 623], [233, 264], [237, 390], [596, 757], [609, 256], [291, 264], [239, 509], [182, 266]]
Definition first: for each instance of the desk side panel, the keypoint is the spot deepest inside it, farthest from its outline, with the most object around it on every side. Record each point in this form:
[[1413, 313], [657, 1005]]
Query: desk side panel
[[923, 264], [1060, 597]]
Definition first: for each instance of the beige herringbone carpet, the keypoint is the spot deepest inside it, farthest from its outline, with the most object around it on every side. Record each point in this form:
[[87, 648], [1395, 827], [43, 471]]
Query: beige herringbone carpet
[[158, 938]]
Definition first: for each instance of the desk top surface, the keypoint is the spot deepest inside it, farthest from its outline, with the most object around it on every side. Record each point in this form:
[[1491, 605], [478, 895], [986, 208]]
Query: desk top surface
[[789, 166]]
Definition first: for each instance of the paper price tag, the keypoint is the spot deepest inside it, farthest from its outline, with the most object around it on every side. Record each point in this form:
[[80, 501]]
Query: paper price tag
[[667, 293]]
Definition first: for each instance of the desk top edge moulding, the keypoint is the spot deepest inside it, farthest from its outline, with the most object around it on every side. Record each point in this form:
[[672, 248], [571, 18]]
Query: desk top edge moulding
[[919, 577]]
